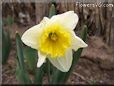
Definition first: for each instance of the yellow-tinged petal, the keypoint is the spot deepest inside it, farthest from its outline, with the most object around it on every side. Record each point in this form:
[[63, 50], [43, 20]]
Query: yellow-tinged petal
[[41, 59], [63, 63], [30, 37], [77, 42], [68, 19]]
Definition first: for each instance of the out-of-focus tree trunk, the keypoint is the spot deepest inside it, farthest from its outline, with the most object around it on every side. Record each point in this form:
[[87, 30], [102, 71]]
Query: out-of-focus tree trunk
[[41, 10], [106, 23]]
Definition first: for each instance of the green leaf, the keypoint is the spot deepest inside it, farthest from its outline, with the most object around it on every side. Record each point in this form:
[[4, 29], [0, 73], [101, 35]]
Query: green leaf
[[39, 75], [21, 74], [19, 51], [52, 11], [30, 56], [49, 68], [60, 77], [6, 46]]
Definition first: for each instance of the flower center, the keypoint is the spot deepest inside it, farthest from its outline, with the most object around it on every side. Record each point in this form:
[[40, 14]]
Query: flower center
[[55, 40], [53, 36]]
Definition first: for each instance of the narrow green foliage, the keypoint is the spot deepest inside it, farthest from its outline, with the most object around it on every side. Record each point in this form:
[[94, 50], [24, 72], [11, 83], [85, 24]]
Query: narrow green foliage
[[6, 46], [19, 51], [21, 74], [58, 77], [49, 70], [30, 56], [52, 11], [39, 75]]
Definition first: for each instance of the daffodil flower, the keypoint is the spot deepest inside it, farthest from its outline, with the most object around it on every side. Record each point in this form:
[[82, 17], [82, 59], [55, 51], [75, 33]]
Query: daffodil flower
[[55, 39]]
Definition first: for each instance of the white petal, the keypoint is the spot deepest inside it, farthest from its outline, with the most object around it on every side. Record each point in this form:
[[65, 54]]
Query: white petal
[[68, 19], [77, 42], [41, 59], [30, 37], [63, 63]]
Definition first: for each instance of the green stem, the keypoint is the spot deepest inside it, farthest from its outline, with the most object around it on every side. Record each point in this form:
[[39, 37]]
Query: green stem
[[49, 70]]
